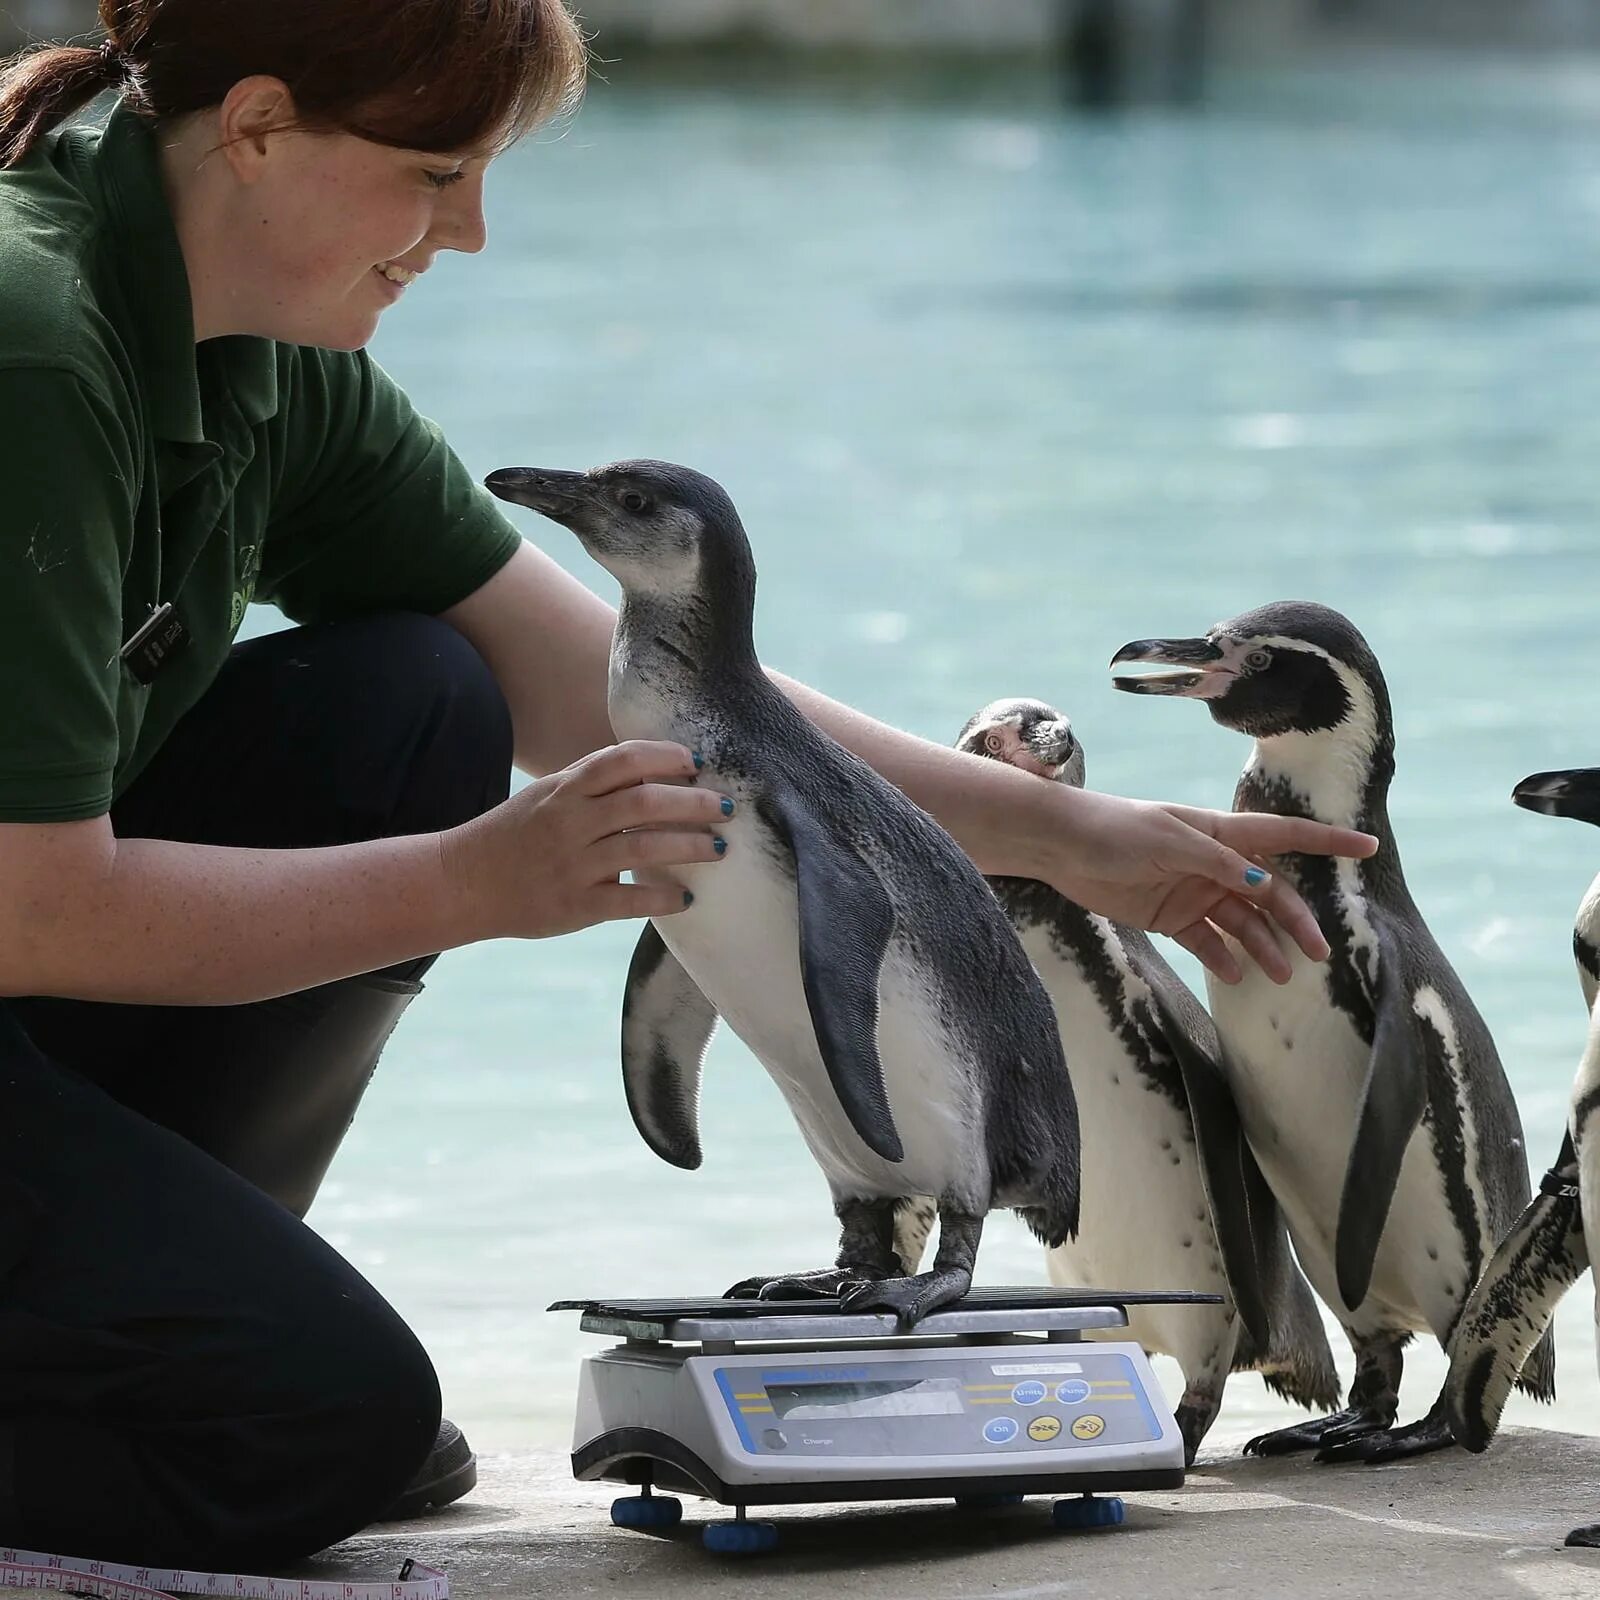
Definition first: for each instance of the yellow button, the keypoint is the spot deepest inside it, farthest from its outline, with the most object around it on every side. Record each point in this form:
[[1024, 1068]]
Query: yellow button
[[1090, 1427], [1044, 1429]]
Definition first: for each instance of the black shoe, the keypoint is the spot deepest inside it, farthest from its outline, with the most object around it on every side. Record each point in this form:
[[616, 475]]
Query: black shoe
[[450, 1471]]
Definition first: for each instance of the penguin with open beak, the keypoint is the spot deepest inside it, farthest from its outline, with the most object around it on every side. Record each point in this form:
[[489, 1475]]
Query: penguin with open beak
[[1369, 1086]]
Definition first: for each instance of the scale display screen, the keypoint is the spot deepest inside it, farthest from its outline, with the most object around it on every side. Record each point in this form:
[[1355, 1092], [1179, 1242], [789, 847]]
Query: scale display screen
[[887, 1397], [938, 1402]]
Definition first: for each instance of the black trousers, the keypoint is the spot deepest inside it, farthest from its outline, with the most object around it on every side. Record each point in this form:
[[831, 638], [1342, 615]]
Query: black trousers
[[189, 1376]]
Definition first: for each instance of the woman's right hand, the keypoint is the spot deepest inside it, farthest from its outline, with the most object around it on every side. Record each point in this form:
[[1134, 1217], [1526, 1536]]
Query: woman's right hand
[[549, 860]]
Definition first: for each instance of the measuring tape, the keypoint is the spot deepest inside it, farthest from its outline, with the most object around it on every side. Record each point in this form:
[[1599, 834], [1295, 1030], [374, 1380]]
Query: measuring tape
[[105, 1580]]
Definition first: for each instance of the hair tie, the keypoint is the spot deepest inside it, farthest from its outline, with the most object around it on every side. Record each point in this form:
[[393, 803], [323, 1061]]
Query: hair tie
[[113, 64]]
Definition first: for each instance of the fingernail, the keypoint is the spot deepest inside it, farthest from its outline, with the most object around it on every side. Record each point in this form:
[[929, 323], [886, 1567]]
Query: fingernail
[[688, 899], [1255, 877], [719, 844], [727, 806], [699, 761]]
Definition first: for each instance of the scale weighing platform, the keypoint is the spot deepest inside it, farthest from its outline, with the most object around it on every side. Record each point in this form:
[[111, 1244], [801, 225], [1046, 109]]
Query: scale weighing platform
[[755, 1402]]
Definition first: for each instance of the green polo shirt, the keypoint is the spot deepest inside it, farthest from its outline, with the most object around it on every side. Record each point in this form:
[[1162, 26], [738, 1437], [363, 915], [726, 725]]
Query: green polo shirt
[[138, 468]]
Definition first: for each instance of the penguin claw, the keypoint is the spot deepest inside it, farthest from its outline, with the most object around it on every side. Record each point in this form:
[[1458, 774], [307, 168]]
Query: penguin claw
[[1340, 1427], [1344, 1443], [827, 1284], [1389, 1444], [910, 1299]]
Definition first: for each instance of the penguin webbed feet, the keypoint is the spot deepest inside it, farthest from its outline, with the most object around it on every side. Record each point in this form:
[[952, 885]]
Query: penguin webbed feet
[[1338, 1429], [1391, 1444], [1357, 1435], [827, 1283], [910, 1299]]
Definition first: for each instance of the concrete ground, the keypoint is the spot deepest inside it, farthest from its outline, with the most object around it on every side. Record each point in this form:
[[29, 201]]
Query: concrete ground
[[1451, 1524]]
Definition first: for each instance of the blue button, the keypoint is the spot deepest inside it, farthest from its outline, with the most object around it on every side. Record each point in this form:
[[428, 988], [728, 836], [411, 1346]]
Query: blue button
[[1029, 1393], [1073, 1392], [1002, 1430]]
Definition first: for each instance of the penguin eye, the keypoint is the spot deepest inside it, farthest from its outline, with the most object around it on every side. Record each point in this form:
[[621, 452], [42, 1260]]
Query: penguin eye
[[1257, 659], [633, 501], [993, 743]]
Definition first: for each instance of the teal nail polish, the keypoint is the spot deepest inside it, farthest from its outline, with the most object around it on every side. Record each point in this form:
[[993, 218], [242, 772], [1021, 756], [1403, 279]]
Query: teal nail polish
[[1255, 877], [699, 761], [688, 899], [727, 806], [719, 844]]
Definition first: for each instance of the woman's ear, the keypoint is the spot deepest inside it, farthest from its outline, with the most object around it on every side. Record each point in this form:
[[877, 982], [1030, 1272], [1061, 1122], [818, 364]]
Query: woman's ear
[[253, 110]]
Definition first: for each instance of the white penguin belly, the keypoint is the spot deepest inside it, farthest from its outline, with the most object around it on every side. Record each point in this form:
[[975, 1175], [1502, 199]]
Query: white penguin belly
[[740, 943], [1298, 1067], [1145, 1221], [1586, 1143]]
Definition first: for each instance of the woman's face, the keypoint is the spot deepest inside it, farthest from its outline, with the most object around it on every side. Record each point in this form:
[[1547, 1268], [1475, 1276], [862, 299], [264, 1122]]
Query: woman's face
[[339, 226]]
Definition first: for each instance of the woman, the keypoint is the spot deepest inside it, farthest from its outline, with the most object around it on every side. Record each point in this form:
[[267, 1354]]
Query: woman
[[225, 867]]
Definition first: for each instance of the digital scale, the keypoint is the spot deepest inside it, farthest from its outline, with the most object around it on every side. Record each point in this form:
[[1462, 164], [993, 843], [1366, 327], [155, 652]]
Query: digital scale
[[756, 1403]]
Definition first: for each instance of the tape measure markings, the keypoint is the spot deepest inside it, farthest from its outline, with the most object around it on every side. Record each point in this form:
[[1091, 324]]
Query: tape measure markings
[[106, 1580]]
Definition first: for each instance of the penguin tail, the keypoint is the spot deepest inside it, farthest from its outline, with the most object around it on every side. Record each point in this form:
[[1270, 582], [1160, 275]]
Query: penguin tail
[[1538, 1375], [1309, 1385], [1297, 1363], [1050, 1226], [1051, 1185]]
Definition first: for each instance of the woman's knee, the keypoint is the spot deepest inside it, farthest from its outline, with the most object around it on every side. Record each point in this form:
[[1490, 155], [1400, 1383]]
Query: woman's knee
[[359, 1414]]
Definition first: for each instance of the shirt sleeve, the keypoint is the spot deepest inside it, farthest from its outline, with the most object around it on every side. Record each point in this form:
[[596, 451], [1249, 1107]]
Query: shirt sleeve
[[374, 511], [66, 517]]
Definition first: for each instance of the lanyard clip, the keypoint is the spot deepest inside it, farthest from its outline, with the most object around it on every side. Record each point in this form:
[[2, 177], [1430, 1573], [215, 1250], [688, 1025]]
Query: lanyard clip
[[155, 641]]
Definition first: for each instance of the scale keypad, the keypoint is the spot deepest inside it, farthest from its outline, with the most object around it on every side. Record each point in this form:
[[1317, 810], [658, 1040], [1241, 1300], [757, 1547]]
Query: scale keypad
[[1040, 1405]]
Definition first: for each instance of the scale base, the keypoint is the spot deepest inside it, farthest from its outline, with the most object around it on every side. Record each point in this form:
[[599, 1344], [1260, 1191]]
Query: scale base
[[642, 1456]]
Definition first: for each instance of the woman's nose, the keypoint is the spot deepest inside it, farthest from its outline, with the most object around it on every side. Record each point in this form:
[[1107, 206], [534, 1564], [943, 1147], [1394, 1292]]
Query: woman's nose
[[459, 224]]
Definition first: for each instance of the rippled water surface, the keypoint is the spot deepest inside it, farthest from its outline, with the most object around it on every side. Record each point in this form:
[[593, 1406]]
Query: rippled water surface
[[996, 391]]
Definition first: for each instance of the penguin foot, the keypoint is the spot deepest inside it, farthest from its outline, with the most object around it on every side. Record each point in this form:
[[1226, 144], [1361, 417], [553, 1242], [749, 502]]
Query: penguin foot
[[1337, 1429], [1390, 1444], [1587, 1536], [830, 1283], [911, 1299]]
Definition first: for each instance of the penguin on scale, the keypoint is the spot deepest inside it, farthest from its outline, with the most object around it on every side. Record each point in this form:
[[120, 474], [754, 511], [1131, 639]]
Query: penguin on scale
[[846, 937], [1171, 1194], [1369, 1087], [1547, 1249]]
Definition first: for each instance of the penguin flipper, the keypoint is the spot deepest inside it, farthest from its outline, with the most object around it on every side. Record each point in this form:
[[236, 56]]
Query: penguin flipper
[[846, 919], [1391, 1106], [1244, 1213], [666, 1025], [1507, 1316]]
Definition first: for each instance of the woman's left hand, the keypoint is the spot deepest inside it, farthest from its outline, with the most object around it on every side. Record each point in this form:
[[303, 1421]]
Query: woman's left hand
[[1196, 875]]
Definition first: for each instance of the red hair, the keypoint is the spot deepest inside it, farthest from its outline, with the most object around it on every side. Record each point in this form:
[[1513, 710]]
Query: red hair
[[440, 75]]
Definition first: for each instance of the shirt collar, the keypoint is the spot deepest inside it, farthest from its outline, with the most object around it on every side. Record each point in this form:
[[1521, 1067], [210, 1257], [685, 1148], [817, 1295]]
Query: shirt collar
[[149, 265]]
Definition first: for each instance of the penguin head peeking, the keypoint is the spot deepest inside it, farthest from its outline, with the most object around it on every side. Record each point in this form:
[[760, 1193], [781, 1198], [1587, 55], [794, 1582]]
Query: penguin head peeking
[[1027, 734], [1574, 793], [652, 525], [1292, 667]]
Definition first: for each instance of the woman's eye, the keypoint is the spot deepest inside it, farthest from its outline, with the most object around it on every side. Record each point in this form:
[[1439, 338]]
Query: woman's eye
[[442, 180], [632, 500], [1257, 659]]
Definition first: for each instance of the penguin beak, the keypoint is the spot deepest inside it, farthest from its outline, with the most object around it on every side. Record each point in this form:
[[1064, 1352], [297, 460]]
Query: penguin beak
[[1201, 671], [1575, 793], [1058, 752], [557, 495]]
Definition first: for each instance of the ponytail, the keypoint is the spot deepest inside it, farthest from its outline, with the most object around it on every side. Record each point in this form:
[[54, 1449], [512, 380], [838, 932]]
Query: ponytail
[[44, 86]]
